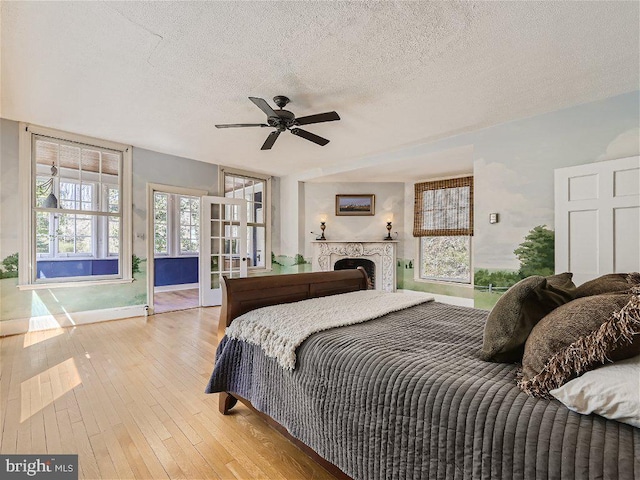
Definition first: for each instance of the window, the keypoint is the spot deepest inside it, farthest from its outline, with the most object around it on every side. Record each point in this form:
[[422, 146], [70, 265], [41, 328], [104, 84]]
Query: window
[[443, 221], [112, 195], [254, 189], [161, 225], [176, 224], [189, 208], [61, 235], [73, 195]]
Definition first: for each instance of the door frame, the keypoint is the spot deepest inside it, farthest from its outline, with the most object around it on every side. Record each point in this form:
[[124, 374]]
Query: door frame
[[152, 188]]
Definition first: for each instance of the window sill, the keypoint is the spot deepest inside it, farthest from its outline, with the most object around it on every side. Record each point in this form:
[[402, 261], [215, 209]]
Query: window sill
[[78, 258], [444, 282], [87, 283]]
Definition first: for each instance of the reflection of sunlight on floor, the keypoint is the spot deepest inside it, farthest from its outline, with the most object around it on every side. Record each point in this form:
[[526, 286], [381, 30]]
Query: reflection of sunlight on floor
[[34, 337], [38, 307], [43, 389], [44, 322], [41, 317]]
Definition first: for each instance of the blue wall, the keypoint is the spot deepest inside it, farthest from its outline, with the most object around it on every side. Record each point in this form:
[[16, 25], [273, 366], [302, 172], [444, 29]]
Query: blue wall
[[175, 271], [168, 271], [76, 268]]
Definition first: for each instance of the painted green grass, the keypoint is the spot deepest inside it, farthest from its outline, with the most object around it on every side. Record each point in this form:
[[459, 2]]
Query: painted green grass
[[485, 300], [406, 281], [55, 301]]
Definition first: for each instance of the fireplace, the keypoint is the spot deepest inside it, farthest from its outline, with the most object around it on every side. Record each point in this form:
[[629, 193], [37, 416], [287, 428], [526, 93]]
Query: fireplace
[[351, 263], [382, 254]]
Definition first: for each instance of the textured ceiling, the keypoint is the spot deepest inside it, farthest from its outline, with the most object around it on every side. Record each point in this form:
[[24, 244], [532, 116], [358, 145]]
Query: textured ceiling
[[159, 75], [445, 163]]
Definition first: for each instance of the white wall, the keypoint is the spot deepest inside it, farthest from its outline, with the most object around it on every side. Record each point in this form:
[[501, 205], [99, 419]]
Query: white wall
[[320, 198]]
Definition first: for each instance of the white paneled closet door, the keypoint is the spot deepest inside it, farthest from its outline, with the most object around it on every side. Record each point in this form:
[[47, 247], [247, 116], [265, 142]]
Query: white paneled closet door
[[597, 218]]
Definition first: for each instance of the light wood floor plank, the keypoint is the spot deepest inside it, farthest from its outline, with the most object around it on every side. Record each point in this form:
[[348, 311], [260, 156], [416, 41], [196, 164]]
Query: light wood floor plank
[[220, 469], [86, 456], [23, 443], [105, 464], [67, 440], [38, 438], [51, 430], [7, 356], [175, 300], [120, 460], [10, 428], [171, 405], [87, 411], [191, 454], [158, 448], [128, 397]]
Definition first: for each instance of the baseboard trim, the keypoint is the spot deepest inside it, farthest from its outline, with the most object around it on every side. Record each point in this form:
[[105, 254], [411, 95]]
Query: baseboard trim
[[175, 288], [48, 322], [451, 300]]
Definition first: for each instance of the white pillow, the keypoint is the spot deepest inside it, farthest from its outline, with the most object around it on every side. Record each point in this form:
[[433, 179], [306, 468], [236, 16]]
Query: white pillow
[[612, 391]]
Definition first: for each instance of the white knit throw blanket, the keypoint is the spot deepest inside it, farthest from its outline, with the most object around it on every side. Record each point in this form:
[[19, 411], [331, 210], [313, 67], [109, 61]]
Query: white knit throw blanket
[[280, 329]]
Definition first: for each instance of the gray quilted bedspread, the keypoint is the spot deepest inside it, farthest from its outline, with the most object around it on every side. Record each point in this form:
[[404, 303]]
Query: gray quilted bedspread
[[406, 397]]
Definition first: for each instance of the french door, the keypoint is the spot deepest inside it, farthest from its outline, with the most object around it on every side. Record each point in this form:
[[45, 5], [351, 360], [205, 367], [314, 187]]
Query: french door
[[224, 245]]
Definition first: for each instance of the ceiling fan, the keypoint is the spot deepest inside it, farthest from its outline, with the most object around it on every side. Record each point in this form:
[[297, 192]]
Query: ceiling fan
[[283, 120]]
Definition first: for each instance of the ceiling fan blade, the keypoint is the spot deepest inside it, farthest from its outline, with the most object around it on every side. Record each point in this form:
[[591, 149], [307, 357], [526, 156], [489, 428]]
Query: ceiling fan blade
[[262, 104], [238, 125], [318, 118], [271, 139], [312, 137]]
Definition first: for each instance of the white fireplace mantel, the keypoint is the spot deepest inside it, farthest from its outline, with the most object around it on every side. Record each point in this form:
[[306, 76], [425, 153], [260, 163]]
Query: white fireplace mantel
[[382, 253]]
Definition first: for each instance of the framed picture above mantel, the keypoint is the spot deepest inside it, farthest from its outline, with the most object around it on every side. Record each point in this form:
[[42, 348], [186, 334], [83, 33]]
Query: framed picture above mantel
[[355, 205]]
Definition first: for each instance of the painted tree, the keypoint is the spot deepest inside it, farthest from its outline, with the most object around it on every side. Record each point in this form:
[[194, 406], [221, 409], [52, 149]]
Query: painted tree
[[9, 267], [536, 253]]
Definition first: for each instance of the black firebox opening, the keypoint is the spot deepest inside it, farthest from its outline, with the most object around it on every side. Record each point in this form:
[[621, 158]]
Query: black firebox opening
[[368, 265]]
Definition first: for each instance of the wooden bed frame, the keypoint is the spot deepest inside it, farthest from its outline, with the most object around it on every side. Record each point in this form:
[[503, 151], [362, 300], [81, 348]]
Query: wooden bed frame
[[241, 295]]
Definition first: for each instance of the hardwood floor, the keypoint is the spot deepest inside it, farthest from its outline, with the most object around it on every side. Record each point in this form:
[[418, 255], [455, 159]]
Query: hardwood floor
[[127, 396], [176, 300]]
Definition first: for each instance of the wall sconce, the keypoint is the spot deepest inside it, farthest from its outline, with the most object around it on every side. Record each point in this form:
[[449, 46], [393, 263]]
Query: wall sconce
[[493, 218]]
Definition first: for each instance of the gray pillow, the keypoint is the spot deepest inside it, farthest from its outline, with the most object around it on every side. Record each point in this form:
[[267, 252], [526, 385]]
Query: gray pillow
[[578, 337], [518, 311], [610, 283]]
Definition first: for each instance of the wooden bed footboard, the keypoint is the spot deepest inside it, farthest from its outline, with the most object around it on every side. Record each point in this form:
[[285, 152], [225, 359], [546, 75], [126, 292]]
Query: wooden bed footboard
[[241, 295]]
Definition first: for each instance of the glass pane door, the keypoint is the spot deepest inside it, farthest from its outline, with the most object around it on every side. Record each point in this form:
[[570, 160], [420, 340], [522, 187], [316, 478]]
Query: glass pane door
[[224, 237]]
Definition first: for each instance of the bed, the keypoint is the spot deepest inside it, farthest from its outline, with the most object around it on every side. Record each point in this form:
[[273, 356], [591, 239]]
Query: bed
[[405, 396]]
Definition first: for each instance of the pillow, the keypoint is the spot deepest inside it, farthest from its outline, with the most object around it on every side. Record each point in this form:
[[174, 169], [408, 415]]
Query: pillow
[[612, 391], [518, 311], [610, 283], [579, 336]]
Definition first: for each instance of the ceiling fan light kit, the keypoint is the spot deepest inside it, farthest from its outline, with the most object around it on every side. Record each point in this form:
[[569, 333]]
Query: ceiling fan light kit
[[283, 120]]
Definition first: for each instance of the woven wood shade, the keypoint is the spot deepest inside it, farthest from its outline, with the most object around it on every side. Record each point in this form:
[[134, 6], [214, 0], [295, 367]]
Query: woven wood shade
[[443, 208], [76, 156]]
